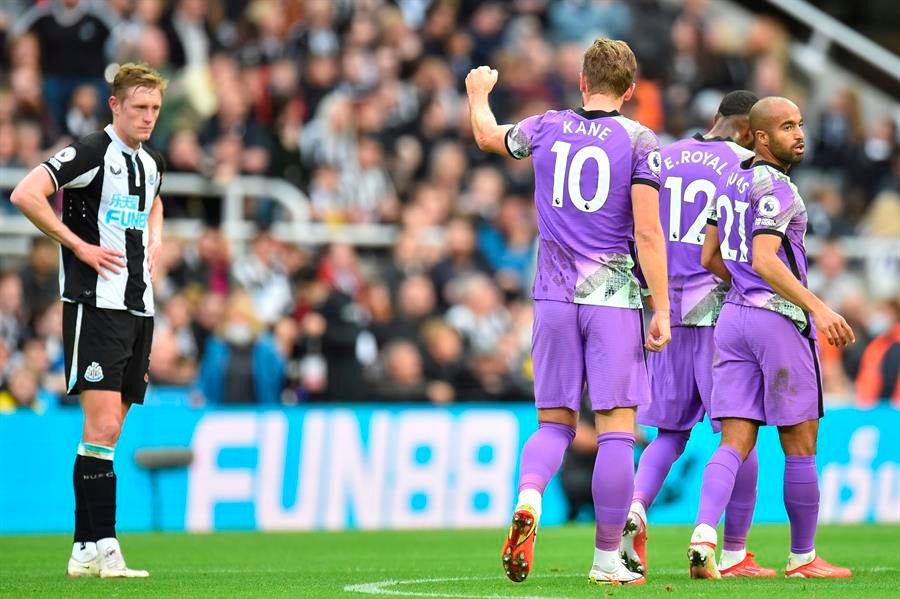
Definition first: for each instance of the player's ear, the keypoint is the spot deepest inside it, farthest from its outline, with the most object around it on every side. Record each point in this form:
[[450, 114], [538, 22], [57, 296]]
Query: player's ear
[[629, 92], [582, 83], [114, 105]]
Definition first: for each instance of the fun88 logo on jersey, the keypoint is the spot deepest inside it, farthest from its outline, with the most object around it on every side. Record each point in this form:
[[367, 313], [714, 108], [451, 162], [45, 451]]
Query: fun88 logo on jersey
[[123, 210]]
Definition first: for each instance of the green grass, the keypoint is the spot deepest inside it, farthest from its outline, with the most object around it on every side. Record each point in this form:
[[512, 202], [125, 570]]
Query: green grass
[[323, 564]]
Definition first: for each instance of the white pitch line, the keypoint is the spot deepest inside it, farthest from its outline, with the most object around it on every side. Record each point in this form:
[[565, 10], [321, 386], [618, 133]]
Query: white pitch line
[[388, 587], [382, 588]]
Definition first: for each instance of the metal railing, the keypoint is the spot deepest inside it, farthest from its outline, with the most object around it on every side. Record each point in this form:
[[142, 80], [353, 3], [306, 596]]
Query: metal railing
[[16, 230], [828, 30]]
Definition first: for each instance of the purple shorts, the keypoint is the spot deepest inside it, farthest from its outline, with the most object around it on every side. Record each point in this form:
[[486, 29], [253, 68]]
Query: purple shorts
[[764, 369], [574, 344], [680, 381]]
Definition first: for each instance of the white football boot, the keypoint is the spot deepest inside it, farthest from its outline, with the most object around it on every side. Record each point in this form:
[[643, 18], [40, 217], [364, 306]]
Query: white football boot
[[112, 563]]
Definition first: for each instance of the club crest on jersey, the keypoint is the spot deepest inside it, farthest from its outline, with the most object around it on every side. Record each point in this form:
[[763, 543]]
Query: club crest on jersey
[[65, 155], [115, 171], [93, 373], [769, 206], [654, 161]]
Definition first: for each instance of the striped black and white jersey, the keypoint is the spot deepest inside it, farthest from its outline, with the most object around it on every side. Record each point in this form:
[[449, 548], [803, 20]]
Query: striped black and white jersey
[[108, 190]]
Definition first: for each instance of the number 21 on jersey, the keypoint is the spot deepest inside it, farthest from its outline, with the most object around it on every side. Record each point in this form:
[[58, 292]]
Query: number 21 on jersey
[[723, 204]]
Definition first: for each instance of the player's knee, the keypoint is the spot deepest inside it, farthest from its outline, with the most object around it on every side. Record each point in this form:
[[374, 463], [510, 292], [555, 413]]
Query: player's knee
[[104, 431], [679, 439]]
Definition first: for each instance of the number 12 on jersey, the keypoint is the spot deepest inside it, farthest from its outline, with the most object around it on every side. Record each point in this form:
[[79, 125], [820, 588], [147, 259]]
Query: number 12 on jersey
[[694, 234]]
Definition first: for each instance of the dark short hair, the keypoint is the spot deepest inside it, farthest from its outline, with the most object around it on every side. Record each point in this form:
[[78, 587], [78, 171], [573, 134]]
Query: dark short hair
[[737, 103]]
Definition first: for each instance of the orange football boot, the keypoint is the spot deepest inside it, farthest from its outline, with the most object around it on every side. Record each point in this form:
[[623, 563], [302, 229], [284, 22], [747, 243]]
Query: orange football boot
[[748, 567], [818, 568], [518, 551]]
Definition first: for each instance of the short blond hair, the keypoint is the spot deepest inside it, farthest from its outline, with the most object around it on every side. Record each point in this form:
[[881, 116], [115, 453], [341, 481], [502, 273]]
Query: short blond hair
[[609, 66], [137, 75]]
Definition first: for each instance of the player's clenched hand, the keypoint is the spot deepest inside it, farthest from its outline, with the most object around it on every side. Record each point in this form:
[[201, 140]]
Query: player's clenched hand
[[660, 332], [100, 258], [836, 329], [481, 81]]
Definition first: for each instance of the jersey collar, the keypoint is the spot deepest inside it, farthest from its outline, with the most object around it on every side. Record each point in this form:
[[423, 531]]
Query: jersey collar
[[595, 114], [777, 167], [119, 143], [699, 137]]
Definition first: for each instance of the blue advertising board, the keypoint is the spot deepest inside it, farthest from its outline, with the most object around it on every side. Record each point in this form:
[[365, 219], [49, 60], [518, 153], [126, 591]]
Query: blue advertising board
[[387, 467]]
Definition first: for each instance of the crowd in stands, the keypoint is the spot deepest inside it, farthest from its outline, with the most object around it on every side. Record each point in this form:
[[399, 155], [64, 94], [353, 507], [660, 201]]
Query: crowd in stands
[[361, 105]]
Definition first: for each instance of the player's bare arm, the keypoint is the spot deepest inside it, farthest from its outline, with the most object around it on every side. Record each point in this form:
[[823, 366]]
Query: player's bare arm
[[651, 250], [30, 196], [767, 265], [154, 231], [711, 254], [489, 136]]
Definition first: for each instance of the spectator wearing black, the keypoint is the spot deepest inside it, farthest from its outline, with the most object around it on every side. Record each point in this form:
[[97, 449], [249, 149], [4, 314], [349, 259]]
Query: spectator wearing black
[[73, 37]]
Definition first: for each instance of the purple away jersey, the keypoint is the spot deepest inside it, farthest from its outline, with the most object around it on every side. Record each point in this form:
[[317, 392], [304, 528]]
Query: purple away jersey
[[585, 163], [690, 169], [761, 200]]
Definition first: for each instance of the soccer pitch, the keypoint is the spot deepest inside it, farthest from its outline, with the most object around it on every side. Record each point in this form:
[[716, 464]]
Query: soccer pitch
[[448, 564]]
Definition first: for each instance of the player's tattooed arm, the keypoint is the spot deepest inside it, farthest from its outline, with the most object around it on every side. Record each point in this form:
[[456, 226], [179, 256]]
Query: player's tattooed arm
[[489, 136], [711, 254], [769, 266]]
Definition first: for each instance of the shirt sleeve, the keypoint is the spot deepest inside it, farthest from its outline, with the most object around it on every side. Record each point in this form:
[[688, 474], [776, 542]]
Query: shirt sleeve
[[647, 161], [520, 139], [775, 207], [74, 166]]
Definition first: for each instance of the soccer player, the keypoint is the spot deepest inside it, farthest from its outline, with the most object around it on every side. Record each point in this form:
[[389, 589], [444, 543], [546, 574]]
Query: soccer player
[[767, 359], [110, 237], [681, 376], [596, 193]]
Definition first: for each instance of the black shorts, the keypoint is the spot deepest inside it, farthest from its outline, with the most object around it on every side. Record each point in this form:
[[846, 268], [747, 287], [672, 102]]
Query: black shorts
[[107, 350]]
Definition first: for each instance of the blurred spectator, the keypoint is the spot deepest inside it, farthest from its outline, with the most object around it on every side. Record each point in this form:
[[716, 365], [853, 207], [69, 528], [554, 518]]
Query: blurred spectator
[[462, 257], [404, 379], [261, 273], [241, 363], [81, 118], [480, 316], [191, 40], [446, 360], [22, 393], [830, 278], [73, 38], [12, 314], [879, 372], [40, 279]]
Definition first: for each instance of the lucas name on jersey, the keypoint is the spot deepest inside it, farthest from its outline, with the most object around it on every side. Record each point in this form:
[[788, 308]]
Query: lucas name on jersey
[[592, 129], [709, 159]]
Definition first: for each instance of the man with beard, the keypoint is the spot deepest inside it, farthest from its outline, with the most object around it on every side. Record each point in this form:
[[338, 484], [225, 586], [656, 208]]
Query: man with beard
[[766, 369]]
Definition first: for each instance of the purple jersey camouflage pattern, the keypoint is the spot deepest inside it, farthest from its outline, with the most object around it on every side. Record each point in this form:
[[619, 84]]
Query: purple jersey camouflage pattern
[[585, 163], [690, 169], [761, 199]]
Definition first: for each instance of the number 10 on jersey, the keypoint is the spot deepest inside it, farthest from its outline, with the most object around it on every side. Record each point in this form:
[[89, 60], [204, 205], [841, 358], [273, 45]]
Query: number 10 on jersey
[[564, 169]]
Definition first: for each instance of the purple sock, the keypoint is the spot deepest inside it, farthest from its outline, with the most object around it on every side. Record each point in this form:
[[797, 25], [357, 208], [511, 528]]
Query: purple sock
[[718, 481], [612, 487], [656, 461], [801, 498], [543, 454], [739, 512]]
